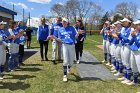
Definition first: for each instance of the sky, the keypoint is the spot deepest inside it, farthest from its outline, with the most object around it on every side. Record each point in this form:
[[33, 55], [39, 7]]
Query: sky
[[42, 7]]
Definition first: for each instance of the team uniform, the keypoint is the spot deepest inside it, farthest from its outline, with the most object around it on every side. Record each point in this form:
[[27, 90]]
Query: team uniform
[[125, 52], [67, 35], [118, 64], [13, 49], [105, 29], [42, 35], [21, 45], [55, 44], [3, 44]]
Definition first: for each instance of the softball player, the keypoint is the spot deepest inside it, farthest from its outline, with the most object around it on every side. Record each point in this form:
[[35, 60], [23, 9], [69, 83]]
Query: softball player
[[55, 44], [109, 44], [3, 45], [67, 35], [13, 46], [106, 27], [118, 66], [79, 41], [112, 46], [126, 37], [135, 53], [22, 41]]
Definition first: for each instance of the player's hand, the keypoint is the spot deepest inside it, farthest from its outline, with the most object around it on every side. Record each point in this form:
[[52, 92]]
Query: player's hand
[[133, 33], [81, 32], [118, 33]]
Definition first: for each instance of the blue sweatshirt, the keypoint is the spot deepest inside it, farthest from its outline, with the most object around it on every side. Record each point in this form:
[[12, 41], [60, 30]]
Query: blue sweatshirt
[[43, 32]]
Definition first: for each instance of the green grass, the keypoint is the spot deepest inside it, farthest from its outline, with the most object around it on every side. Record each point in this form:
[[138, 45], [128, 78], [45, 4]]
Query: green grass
[[44, 77]]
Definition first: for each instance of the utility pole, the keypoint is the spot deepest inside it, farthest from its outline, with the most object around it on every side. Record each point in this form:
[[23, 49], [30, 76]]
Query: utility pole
[[29, 19], [23, 16]]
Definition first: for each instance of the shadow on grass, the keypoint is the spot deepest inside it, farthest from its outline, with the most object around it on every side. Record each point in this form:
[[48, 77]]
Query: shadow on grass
[[78, 79], [14, 86], [33, 65], [20, 77], [28, 54], [29, 69]]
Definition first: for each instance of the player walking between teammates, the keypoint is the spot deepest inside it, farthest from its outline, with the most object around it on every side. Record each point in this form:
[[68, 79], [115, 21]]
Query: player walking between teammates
[[56, 46], [80, 41], [42, 37], [67, 35]]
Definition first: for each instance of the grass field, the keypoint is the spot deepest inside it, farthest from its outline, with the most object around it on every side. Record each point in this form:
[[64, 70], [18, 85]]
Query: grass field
[[44, 77]]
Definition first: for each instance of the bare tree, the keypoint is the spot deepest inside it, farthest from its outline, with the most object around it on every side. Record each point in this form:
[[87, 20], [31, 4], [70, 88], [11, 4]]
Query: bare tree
[[127, 9], [58, 9]]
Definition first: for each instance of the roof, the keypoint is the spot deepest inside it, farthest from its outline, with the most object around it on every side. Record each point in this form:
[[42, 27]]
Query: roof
[[3, 9]]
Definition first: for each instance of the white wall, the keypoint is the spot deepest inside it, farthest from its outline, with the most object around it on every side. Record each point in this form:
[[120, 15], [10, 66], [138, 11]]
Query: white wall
[[5, 15]]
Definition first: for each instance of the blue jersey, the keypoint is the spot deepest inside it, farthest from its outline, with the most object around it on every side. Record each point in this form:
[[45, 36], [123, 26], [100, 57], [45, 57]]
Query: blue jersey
[[22, 40], [125, 35], [55, 28], [3, 35], [67, 34], [43, 32], [135, 42], [19, 28], [14, 32], [105, 36], [116, 41]]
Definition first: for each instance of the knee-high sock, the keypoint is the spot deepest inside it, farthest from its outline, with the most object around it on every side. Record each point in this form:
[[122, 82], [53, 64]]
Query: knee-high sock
[[65, 70], [129, 73], [120, 67], [105, 56], [125, 72], [135, 77]]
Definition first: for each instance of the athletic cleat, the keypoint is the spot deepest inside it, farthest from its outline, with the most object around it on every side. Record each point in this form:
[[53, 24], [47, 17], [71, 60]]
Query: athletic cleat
[[122, 78], [65, 78], [117, 74], [104, 61], [125, 81], [1, 78], [113, 68], [68, 71], [114, 71], [131, 83], [108, 64]]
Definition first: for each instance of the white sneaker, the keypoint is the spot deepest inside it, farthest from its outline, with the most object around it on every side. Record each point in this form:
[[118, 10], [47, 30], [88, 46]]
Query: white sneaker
[[125, 81], [113, 68], [65, 78], [78, 61], [122, 78], [114, 71], [138, 92], [68, 71], [131, 83], [103, 61], [108, 64], [1, 78], [117, 74]]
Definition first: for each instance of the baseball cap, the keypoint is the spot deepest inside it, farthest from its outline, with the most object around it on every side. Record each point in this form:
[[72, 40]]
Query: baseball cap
[[3, 23], [125, 20], [65, 19]]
